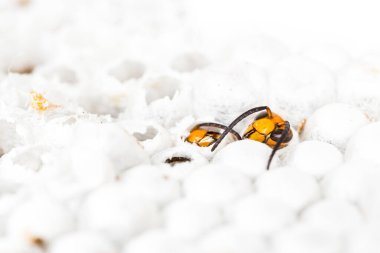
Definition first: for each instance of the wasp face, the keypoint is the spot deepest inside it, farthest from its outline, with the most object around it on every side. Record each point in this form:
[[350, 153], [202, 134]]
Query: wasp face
[[202, 137], [206, 134], [268, 129]]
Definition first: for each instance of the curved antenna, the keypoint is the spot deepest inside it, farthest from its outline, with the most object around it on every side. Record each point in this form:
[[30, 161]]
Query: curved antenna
[[281, 140], [237, 120], [217, 125]]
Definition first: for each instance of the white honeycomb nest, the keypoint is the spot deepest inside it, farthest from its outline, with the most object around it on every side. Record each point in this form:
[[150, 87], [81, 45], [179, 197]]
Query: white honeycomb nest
[[96, 97]]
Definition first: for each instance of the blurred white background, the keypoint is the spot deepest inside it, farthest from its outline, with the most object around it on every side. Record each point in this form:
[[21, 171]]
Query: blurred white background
[[352, 25]]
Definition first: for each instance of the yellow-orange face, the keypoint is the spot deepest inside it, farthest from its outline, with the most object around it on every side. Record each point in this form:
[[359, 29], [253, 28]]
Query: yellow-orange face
[[267, 130], [202, 137], [206, 134]]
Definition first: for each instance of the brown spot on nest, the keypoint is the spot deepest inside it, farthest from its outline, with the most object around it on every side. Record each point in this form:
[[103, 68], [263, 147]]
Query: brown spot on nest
[[23, 3], [301, 126], [27, 69], [177, 159], [38, 241]]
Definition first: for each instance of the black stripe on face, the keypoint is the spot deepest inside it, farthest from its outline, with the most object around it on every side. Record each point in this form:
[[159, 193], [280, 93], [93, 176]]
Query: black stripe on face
[[249, 133]]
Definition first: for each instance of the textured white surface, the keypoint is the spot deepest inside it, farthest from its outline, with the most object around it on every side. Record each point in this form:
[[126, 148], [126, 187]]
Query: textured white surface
[[247, 157], [307, 157], [10, 245], [190, 218], [157, 241], [298, 86], [366, 95], [333, 57], [40, 218], [288, 185], [363, 145], [301, 238], [334, 123], [232, 239], [152, 183], [129, 79], [112, 210], [216, 184], [82, 242], [224, 91], [365, 239], [333, 215], [262, 215]]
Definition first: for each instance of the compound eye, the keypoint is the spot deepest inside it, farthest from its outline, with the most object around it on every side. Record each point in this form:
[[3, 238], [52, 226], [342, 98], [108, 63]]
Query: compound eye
[[276, 135]]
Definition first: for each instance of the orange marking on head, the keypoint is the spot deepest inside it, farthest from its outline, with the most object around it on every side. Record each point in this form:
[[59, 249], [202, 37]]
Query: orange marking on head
[[257, 137], [196, 135], [264, 126], [277, 119], [202, 137], [271, 143]]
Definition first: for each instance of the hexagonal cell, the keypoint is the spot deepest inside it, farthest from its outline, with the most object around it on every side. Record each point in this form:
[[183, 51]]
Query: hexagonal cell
[[160, 87], [127, 70]]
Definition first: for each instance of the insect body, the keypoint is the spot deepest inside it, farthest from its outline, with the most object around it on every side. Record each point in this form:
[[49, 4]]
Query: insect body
[[206, 134], [268, 128], [203, 135]]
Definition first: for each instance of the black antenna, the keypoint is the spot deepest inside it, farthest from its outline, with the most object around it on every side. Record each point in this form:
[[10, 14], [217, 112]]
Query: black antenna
[[237, 120], [281, 140], [217, 125]]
